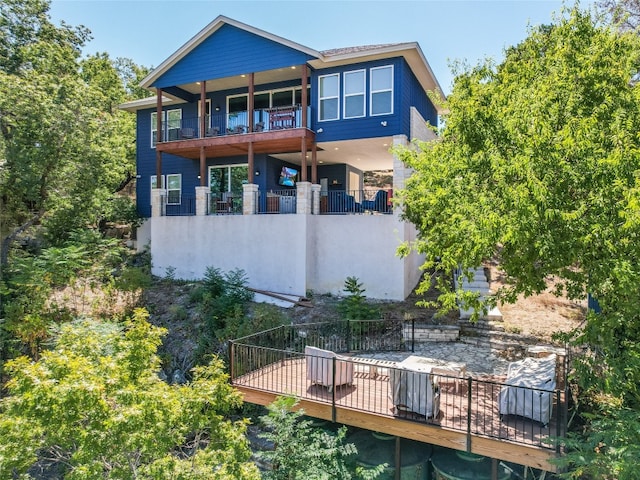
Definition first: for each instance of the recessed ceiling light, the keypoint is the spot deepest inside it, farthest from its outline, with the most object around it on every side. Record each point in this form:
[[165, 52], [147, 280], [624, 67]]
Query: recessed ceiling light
[[293, 67], [321, 161], [335, 148], [385, 144], [243, 76]]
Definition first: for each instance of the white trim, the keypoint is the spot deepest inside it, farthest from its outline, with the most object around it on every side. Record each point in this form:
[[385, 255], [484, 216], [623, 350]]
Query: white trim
[[165, 125], [362, 93], [372, 91], [169, 190], [320, 98]]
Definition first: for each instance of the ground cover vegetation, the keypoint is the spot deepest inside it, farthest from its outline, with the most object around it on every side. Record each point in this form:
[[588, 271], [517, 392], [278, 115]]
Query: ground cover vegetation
[[538, 168]]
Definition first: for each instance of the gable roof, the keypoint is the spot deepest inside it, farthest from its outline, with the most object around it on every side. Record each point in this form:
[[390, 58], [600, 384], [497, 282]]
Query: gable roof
[[208, 31]]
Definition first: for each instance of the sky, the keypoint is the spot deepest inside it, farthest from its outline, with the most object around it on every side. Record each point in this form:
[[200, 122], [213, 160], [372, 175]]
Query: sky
[[149, 31]]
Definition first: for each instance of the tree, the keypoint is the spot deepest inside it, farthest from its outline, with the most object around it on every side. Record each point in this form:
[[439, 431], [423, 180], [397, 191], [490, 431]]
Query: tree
[[538, 166], [623, 13], [302, 452], [94, 407], [65, 147]]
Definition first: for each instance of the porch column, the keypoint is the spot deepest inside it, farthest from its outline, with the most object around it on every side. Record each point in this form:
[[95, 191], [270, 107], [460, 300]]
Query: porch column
[[203, 167], [400, 171], [156, 202], [315, 198], [303, 198], [201, 200], [250, 105], [303, 160], [305, 99], [314, 162], [159, 135], [203, 109], [249, 199], [250, 162]]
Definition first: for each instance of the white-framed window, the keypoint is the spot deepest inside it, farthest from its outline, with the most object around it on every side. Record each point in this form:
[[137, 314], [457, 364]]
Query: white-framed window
[[174, 189], [381, 100], [354, 94], [329, 97], [171, 123], [173, 182]]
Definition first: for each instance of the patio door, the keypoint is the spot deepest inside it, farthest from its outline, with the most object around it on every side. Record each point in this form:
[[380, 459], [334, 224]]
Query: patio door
[[228, 179]]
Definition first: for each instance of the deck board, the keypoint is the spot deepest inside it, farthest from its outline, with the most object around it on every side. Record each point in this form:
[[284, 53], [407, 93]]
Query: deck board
[[370, 394]]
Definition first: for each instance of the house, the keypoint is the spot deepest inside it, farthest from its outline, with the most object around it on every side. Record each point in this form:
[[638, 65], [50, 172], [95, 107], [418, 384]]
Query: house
[[251, 155]]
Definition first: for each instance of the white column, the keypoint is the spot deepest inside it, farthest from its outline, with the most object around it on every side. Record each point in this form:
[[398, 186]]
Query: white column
[[400, 171], [156, 202], [201, 200], [303, 200], [315, 198], [249, 198]]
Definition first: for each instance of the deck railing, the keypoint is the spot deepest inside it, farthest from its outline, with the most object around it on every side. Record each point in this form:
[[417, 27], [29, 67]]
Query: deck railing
[[176, 204], [274, 361], [334, 202], [224, 203], [220, 124]]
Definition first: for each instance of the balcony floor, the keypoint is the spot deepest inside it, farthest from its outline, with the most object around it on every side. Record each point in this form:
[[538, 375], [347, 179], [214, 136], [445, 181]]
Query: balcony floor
[[367, 404]]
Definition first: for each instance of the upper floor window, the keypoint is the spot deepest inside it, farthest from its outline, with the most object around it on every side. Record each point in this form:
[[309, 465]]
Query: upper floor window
[[329, 97], [354, 88], [171, 123], [381, 90]]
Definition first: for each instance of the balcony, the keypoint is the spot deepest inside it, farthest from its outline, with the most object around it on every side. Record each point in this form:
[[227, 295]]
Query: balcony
[[465, 411], [334, 202], [271, 130]]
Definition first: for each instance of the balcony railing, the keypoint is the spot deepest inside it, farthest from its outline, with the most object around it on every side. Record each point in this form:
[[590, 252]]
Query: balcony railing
[[264, 120], [224, 203], [356, 201], [274, 361], [175, 204]]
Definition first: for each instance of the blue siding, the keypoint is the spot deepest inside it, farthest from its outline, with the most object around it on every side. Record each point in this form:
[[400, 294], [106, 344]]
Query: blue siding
[[413, 95], [228, 52], [365, 127]]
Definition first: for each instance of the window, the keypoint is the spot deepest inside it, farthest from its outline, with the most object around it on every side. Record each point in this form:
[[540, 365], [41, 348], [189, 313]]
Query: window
[[329, 97], [171, 123], [174, 187], [381, 90], [228, 178], [354, 88]]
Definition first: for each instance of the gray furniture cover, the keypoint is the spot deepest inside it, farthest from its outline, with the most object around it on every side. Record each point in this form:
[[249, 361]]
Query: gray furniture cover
[[531, 384], [414, 391]]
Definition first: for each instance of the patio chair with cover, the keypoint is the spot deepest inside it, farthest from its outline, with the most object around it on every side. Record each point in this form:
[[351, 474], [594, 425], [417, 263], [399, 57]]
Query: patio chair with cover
[[320, 368]]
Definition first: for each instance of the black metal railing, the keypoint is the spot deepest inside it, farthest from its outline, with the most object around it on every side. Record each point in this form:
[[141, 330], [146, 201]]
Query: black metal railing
[[356, 201], [221, 124], [224, 203], [275, 361], [177, 204], [277, 201]]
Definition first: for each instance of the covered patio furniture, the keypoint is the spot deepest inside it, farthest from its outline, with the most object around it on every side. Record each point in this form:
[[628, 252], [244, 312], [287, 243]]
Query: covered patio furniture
[[530, 389], [413, 388], [320, 368]]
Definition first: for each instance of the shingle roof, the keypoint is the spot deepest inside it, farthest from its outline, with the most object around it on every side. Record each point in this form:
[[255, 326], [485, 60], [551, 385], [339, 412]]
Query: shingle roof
[[361, 48]]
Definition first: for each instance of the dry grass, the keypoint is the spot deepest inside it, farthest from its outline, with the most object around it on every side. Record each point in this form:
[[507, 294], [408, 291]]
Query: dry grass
[[538, 315]]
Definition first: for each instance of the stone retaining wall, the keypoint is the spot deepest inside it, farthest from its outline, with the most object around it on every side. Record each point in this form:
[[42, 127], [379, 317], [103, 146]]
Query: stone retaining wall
[[431, 333]]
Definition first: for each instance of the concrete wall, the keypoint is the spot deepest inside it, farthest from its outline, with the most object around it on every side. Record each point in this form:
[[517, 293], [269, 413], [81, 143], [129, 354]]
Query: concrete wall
[[289, 253], [271, 249]]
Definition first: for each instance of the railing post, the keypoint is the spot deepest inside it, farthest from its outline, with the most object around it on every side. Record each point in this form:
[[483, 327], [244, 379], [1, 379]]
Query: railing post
[[469, 382], [231, 361], [333, 391], [560, 420], [413, 335], [348, 335]]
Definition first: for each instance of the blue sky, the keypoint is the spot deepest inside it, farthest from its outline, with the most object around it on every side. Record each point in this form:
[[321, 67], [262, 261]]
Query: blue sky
[[149, 31]]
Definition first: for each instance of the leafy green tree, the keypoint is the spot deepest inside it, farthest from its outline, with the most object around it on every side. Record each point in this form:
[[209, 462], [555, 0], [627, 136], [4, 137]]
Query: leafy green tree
[[94, 407], [302, 452], [65, 147], [538, 166]]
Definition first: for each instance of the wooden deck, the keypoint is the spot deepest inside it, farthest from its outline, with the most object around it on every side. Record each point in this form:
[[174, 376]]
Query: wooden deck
[[468, 419]]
